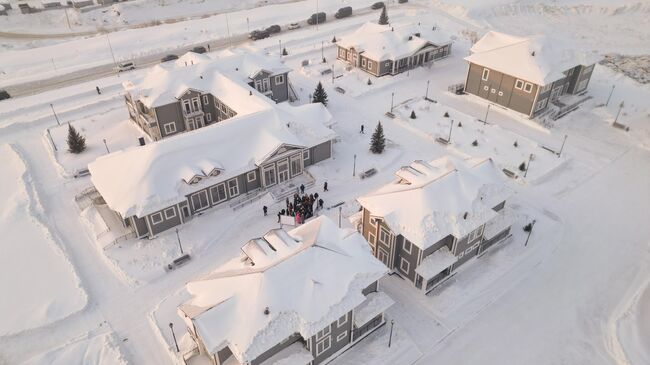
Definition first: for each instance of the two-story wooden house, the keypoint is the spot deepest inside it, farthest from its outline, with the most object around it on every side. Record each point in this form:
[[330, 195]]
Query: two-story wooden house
[[435, 217], [527, 75], [299, 297]]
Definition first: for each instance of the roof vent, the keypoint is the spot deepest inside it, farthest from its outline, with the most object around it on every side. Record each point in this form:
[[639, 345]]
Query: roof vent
[[266, 311], [465, 215], [532, 53]]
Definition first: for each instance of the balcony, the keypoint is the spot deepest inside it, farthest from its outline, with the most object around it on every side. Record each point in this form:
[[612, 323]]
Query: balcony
[[193, 113]]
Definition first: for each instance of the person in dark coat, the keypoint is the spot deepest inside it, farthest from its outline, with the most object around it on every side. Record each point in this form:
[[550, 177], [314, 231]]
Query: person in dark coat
[[315, 196], [265, 210], [287, 201], [361, 131], [320, 203], [302, 188], [279, 215], [325, 186], [98, 91]]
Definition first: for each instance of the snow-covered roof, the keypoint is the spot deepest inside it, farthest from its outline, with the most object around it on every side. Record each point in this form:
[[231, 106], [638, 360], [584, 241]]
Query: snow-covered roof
[[143, 180], [382, 42], [537, 59], [307, 278], [433, 264], [375, 304], [431, 200]]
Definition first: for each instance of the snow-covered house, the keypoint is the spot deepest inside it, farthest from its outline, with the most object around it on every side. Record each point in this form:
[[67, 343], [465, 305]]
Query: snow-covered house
[[196, 91], [298, 297], [391, 49], [435, 217], [526, 74], [160, 185]]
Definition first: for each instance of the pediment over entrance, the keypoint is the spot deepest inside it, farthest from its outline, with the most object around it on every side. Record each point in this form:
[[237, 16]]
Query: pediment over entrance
[[284, 149]]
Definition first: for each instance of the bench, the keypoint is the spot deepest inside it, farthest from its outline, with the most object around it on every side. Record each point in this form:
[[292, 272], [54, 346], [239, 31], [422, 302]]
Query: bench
[[178, 262], [368, 173]]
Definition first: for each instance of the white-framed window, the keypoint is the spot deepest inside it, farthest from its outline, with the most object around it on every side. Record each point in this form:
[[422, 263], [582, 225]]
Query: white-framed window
[[156, 218], [486, 88], [195, 103], [341, 321], [407, 246], [374, 221], [200, 200], [475, 234], [404, 265], [519, 84], [279, 79], [208, 117], [342, 336], [205, 100], [218, 193], [325, 332], [170, 213], [233, 187], [250, 177], [546, 88], [528, 87], [493, 90], [500, 93], [460, 255], [169, 128], [342, 52], [371, 239], [305, 155], [369, 64], [540, 105], [323, 346], [363, 62], [486, 74], [186, 106], [468, 250], [582, 85], [384, 236], [387, 64]]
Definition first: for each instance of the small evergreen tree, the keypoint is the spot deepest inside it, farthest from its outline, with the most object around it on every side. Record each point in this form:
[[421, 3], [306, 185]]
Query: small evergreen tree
[[284, 51], [522, 167], [369, 82], [413, 114], [76, 142], [320, 96], [460, 125], [383, 18], [446, 115], [378, 141], [516, 144], [334, 39]]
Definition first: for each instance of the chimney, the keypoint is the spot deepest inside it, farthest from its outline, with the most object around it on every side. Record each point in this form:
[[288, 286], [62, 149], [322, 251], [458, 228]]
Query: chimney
[[141, 140]]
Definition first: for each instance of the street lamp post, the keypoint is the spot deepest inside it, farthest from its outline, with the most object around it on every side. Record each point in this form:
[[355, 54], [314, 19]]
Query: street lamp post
[[390, 337], [562, 148], [530, 231], [322, 51], [105, 145], [426, 94], [354, 166], [112, 54], [530, 158], [392, 97], [55, 116], [179, 241], [248, 28], [620, 107], [340, 209], [451, 126], [171, 327], [486, 114], [610, 95]]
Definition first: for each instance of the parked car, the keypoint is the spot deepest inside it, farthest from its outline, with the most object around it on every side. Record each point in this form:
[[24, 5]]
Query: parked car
[[169, 57], [402, 1], [258, 34], [317, 18], [125, 66], [4, 95], [293, 26], [199, 49], [343, 12], [378, 5], [273, 29]]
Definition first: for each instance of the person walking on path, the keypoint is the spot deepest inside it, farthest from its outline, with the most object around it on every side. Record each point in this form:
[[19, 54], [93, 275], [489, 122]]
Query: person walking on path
[[302, 188], [99, 92], [361, 131], [279, 214], [325, 186], [265, 209], [320, 204], [297, 218]]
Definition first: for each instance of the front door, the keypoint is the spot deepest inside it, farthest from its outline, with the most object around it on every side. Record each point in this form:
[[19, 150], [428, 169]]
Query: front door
[[190, 124], [269, 175], [283, 171], [382, 255], [200, 123]]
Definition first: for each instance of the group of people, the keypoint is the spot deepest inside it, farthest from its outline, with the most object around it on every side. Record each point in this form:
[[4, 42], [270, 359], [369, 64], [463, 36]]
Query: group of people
[[302, 206]]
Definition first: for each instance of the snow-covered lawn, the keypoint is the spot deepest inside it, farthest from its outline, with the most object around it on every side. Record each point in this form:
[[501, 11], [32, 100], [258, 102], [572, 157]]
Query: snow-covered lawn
[[97, 350], [38, 284]]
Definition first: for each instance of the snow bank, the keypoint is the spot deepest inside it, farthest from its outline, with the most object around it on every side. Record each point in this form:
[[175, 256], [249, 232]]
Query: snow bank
[[99, 350], [37, 282]]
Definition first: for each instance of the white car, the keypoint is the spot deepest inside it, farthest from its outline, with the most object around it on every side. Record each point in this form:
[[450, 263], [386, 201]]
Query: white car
[[294, 26], [125, 66]]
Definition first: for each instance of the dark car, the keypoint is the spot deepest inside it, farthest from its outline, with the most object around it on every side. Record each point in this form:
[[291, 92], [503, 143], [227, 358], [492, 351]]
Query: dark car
[[402, 1], [273, 29], [199, 49], [169, 57], [378, 5], [4, 95], [258, 34], [317, 18], [343, 12]]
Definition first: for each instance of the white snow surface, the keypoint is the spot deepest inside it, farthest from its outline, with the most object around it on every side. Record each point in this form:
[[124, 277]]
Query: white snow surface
[[538, 59], [447, 196], [305, 289], [98, 350]]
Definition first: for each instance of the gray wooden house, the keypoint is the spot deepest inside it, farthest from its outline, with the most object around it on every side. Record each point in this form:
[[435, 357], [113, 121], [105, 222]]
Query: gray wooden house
[[299, 297], [528, 75], [435, 217], [158, 186], [389, 50]]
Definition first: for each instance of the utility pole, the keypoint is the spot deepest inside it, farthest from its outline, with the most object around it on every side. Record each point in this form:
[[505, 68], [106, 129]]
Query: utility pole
[[340, 209], [179, 241], [55, 116], [392, 96], [112, 54], [426, 94], [620, 107], [280, 41], [354, 166], [322, 51], [390, 337], [529, 232], [105, 145], [451, 126], [610, 96], [530, 158], [562, 148], [171, 326], [248, 27], [67, 19], [486, 114], [228, 30]]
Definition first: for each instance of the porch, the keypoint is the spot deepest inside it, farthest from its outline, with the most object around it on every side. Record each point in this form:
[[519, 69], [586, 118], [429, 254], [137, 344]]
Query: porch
[[292, 186], [107, 225]]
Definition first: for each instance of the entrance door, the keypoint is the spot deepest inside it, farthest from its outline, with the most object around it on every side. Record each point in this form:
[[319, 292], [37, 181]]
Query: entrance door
[[200, 123], [190, 124], [283, 171], [382, 255], [269, 175]]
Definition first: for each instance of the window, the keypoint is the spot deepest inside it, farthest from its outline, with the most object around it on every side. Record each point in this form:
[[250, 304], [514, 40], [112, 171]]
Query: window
[[493, 90], [407, 246], [373, 222], [323, 333], [468, 250], [369, 64], [384, 236], [500, 93], [169, 128], [205, 99], [540, 105], [156, 218], [519, 84], [363, 62], [460, 255], [218, 193], [305, 155], [323, 346], [341, 336], [341, 321], [296, 166], [582, 85], [528, 87], [404, 265], [186, 107], [279, 79], [486, 88], [371, 239], [475, 234], [387, 64], [195, 103], [208, 117], [170, 213], [546, 88], [250, 177], [342, 52], [485, 75], [570, 72], [199, 200], [233, 187]]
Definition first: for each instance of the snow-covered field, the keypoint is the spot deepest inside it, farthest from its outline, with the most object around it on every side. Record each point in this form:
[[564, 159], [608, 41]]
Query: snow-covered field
[[577, 293]]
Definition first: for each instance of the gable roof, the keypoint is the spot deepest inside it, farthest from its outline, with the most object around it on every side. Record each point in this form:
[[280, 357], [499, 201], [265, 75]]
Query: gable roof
[[431, 200], [537, 59], [151, 177], [382, 42], [307, 278]]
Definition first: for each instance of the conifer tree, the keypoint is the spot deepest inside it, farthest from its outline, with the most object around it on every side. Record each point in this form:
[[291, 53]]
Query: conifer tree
[[413, 114], [378, 141], [320, 96], [383, 18], [334, 39], [76, 142]]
